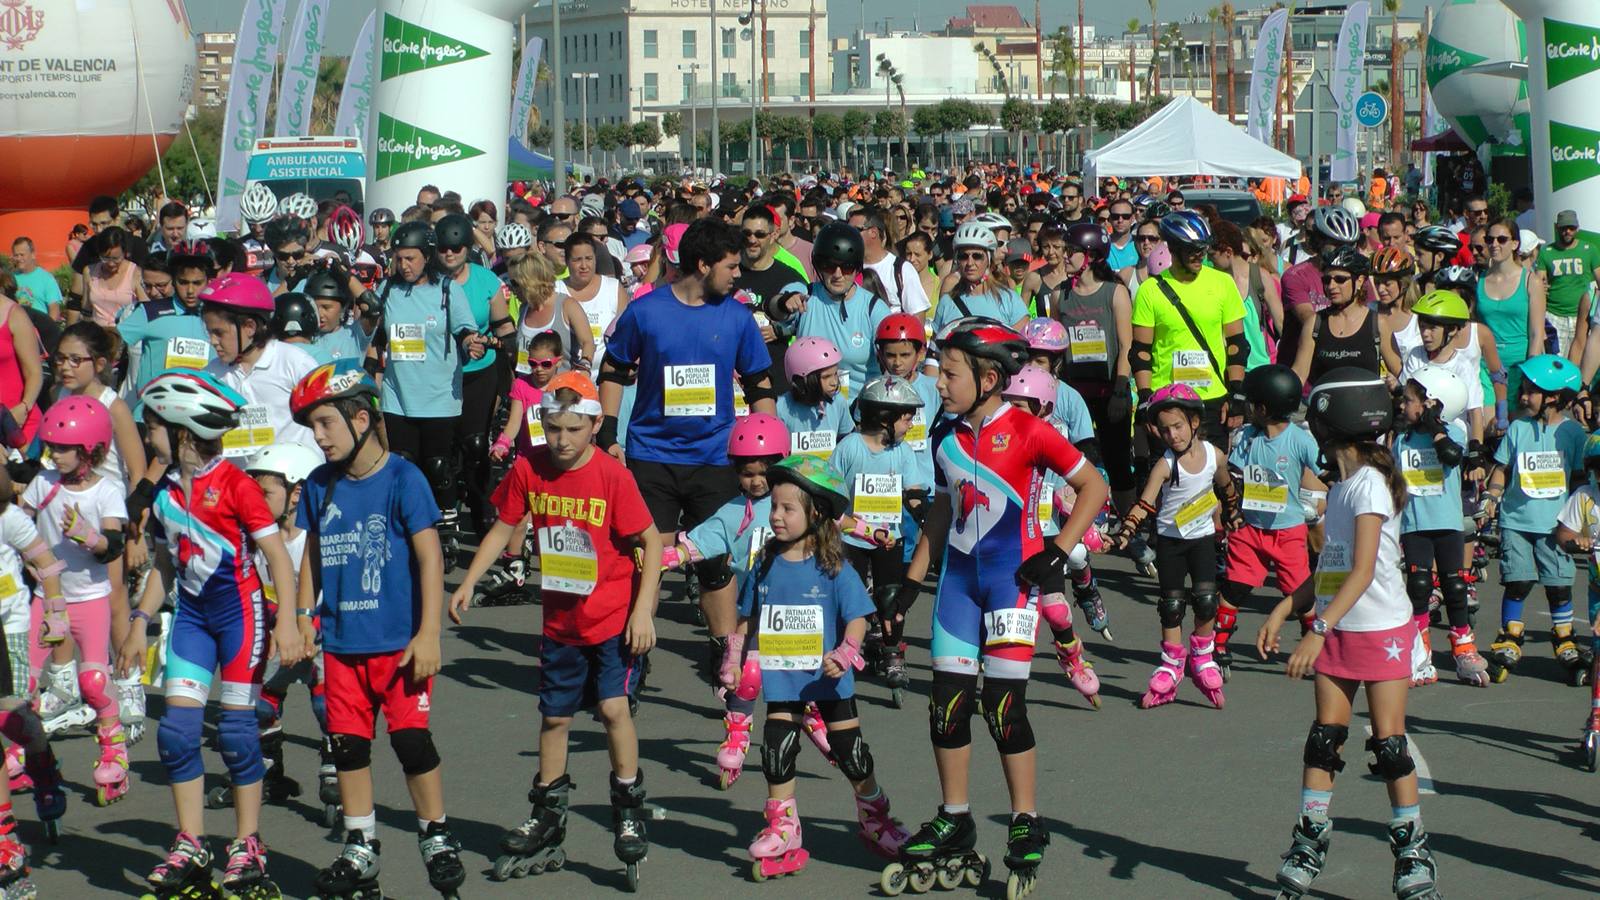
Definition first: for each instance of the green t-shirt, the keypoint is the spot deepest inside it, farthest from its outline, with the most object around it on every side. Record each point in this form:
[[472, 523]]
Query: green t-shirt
[[1569, 273], [38, 288], [1213, 302]]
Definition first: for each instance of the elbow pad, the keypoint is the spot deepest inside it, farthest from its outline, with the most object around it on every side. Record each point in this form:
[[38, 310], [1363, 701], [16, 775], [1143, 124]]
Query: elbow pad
[[497, 324], [372, 365], [759, 386], [1139, 357], [114, 543], [55, 568], [618, 372], [1449, 452], [1238, 348]]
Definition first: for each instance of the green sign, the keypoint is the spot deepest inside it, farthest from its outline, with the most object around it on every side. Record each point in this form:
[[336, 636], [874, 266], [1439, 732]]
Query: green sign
[[411, 48], [1574, 155], [1444, 60], [403, 147], [1570, 51]]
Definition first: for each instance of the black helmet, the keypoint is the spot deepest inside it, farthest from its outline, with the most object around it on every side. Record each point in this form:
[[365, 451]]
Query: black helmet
[[281, 232], [380, 216], [1349, 404], [1089, 238], [1347, 258], [454, 230], [1275, 387], [325, 284], [295, 316], [986, 338], [415, 235], [838, 244]]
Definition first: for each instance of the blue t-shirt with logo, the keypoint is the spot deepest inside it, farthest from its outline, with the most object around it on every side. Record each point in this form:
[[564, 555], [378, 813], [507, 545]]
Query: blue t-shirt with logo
[[851, 325], [739, 528], [1073, 413], [422, 374], [854, 458], [480, 288], [1120, 258], [1273, 468], [1433, 489], [801, 600], [371, 598], [347, 341], [806, 422], [1004, 306], [167, 335], [38, 288], [1534, 454]]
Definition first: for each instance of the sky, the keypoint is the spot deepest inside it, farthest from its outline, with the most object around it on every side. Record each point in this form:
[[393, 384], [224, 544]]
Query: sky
[[347, 16]]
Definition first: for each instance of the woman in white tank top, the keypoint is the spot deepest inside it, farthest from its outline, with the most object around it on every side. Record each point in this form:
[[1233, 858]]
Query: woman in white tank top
[[600, 296]]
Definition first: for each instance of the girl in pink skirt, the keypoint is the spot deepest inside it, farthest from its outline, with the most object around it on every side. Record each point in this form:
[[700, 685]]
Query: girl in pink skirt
[[1362, 633]]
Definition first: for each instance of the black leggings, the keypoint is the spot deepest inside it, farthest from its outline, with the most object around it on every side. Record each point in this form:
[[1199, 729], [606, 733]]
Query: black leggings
[[429, 444], [478, 392], [1177, 559], [884, 569], [833, 711], [1444, 551], [1116, 444]]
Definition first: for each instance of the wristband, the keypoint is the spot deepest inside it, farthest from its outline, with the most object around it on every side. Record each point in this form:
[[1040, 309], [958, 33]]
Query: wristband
[[304, 613], [848, 655], [500, 443], [139, 614], [607, 437]]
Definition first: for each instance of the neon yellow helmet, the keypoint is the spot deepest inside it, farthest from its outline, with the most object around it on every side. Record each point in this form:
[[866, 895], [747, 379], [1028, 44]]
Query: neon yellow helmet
[[1442, 306]]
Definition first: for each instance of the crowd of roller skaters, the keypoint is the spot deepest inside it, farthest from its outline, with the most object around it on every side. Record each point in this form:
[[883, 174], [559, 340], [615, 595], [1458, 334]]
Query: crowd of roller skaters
[[244, 463]]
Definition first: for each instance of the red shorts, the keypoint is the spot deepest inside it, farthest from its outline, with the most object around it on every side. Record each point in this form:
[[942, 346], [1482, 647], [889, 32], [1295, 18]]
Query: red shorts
[[1250, 549], [359, 686], [1368, 655]]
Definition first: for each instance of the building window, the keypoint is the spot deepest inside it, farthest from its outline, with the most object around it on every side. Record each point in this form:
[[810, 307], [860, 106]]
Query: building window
[[729, 43], [650, 50], [688, 86], [690, 50], [1409, 81], [652, 88], [805, 83], [730, 85], [805, 43], [769, 47], [771, 82]]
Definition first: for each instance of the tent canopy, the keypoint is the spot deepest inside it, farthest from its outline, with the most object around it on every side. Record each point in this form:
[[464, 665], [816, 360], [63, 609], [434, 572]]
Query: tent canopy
[[1186, 138]]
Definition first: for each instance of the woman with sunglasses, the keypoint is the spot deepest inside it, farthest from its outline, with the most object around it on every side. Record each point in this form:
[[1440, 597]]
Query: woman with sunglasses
[[1510, 302], [1146, 236], [975, 291], [1345, 334], [287, 240], [835, 307]]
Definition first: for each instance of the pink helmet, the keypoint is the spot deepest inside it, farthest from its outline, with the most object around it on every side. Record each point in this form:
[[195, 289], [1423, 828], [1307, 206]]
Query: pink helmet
[[639, 253], [807, 355], [1033, 383], [1180, 396], [1045, 336], [77, 422], [1160, 258], [669, 241], [758, 434], [241, 293]]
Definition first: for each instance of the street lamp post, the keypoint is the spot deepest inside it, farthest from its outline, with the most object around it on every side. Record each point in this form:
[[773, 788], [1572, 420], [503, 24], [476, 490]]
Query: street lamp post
[[583, 85], [749, 21], [694, 115], [716, 88]]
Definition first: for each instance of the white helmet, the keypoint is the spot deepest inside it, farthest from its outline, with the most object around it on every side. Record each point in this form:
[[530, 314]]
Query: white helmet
[[200, 230], [995, 221], [298, 206], [1337, 224], [974, 234], [291, 462], [512, 234], [194, 400], [1354, 206], [1445, 386], [258, 205]]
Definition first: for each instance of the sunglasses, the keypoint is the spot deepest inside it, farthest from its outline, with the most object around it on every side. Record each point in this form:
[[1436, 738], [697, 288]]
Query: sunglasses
[[1479, 248], [1498, 239], [455, 248], [973, 257], [758, 235], [1337, 279], [285, 256], [544, 363], [841, 268], [1121, 217], [1147, 238], [563, 215]]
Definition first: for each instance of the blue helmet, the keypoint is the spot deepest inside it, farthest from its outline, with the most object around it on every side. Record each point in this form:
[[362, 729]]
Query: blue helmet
[[1186, 228], [1591, 449], [1551, 373]]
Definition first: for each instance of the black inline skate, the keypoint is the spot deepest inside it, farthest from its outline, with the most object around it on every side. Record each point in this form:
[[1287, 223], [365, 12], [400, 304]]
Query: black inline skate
[[940, 852], [185, 874], [245, 874], [1565, 648], [505, 584], [354, 875], [1093, 605], [1505, 652], [328, 787], [277, 788], [1416, 875], [1024, 852], [441, 853], [628, 816], [535, 846], [49, 797], [1305, 858]]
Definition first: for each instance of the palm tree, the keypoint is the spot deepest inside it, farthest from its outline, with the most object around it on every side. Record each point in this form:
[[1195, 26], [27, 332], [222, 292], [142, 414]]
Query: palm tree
[[1212, 15], [1397, 115], [1063, 58], [1155, 48], [1228, 17], [1133, 86]]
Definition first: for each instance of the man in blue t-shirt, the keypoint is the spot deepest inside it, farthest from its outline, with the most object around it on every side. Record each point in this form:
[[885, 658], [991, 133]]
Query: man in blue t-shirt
[[36, 286]]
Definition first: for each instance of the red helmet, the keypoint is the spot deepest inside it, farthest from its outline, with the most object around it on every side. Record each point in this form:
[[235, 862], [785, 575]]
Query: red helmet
[[346, 230], [903, 327]]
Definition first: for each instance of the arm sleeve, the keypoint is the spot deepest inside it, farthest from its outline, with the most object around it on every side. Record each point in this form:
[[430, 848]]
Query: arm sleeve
[[1502, 453], [624, 340], [753, 357], [115, 506], [511, 496], [1572, 513], [1369, 495], [1232, 303], [1076, 415], [33, 494], [310, 498], [461, 314], [251, 508]]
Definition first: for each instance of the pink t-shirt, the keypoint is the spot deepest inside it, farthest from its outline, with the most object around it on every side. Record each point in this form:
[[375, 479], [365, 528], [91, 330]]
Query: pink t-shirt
[[530, 433]]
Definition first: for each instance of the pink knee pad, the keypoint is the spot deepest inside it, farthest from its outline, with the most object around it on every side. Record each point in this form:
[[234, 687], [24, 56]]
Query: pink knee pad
[[1058, 615], [92, 684]]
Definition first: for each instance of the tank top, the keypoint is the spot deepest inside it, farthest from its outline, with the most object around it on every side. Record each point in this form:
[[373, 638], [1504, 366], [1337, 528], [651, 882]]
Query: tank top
[[1359, 349], [1186, 505], [109, 297], [11, 382], [599, 310], [1092, 335], [557, 323], [1411, 336], [1507, 319]]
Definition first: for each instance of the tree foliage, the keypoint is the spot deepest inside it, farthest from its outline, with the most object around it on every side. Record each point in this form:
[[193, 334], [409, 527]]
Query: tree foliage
[[672, 124], [187, 176], [1017, 114]]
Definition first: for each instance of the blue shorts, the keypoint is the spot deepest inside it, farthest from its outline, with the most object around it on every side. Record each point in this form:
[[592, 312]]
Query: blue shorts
[[574, 677], [968, 596], [1525, 556]]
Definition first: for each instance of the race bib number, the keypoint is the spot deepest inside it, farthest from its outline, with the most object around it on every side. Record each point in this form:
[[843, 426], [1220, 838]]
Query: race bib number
[[1264, 491], [188, 353], [813, 443], [791, 638], [254, 432], [690, 391], [1333, 567], [917, 434], [8, 585], [1013, 627], [741, 406], [1088, 343], [761, 320], [535, 422], [759, 535], [567, 562], [1541, 475], [1194, 518], [1423, 474], [597, 328], [407, 343], [1192, 367], [878, 500], [522, 363], [1047, 507]]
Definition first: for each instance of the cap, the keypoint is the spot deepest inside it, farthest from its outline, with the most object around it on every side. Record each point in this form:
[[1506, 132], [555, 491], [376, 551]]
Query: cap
[[1529, 242], [589, 396], [670, 239], [1018, 250], [1370, 220], [629, 209], [1567, 218]]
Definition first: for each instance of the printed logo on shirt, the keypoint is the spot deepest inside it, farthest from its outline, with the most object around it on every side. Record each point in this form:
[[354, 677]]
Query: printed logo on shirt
[[971, 498], [1000, 442], [331, 515], [592, 510], [211, 497], [423, 704]]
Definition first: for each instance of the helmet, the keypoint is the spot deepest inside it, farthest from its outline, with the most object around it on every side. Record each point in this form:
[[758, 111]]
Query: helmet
[[1275, 387], [380, 216], [298, 206], [1591, 449], [1346, 258], [1442, 306], [902, 327], [239, 292], [1465, 277], [194, 400], [291, 462], [259, 204], [1350, 404], [453, 230], [813, 475], [758, 434], [1445, 386], [994, 222], [1354, 207], [333, 381], [76, 421], [1549, 372], [1437, 239], [1393, 261], [416, 235], [515, 234], [1159, 259], [986, 339], [1046, 336], [837, 244], [193, 250], [1336, 224], [811, 354], [1089, 238], [890, 391], [324, 284], [280, 232], [296, 316], [1184, 227], [345, 229], [1032, 383], [1174, 396], [974, 234]]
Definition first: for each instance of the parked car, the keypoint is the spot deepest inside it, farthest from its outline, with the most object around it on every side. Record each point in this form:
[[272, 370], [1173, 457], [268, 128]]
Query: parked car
[[1239, 207]]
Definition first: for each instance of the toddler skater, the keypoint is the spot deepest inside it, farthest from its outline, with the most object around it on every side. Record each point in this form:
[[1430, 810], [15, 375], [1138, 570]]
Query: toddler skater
[[799, 599], [1186, 480], [1359, 635], [507, 580], [598, 616], [813, 409]]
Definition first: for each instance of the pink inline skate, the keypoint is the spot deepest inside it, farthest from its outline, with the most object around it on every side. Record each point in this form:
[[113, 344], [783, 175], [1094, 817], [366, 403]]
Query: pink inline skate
[[730, 756], [879, 830], [1203, 669], [776, 850], [1079, 671], [1165, 679], [111, 773]]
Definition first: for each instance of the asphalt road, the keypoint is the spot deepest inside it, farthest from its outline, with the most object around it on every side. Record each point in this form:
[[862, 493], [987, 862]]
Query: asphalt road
[[1181, 801]]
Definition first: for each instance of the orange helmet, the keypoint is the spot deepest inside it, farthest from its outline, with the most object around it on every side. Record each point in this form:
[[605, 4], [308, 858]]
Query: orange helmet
[[1393, 261]]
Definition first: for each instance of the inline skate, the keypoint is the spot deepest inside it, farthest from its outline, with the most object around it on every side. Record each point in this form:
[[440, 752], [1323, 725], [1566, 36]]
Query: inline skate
[[534, 846], [1227, 623], [49, 797], [940, 852], [1471, 668], [1416, 875], [111, 773], [628, 815], [1079, 671], [60, 703], [185, 874], [1024, 853], [277, 788], [441, 854], [1164, 681], [354, 875], [1305, 858], [1565, 648], [730, 756], [776, 850], [16, 770], [1203, 669], [880, 831], [131, 705], [328, 786], [505, 584], [1591, 725], [1505, 652], [894, 673], [1422, 669], [817, 730], [245, 875], [1093, 605], [14, 881]]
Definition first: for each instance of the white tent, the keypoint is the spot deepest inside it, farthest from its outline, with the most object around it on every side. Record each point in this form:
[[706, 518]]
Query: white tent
[[1186, 138]]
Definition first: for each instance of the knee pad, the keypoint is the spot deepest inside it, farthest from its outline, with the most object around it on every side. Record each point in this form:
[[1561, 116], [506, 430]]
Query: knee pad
[[1419, 587], [350, 753], [1057, 613], [22, 726], [714, 574], [475, 448], [1453, 586], [239, 739], [269, 708], [883, 598], [1322, 747], [92, 685], [950, 709], [1392, 757], [1205, 605], [441, 476], [780, 747], [1558, 596], [1518, 590], [1005, 710], [178, 738], [1227, 617], [851, 753], [414, 748], [1169, 606]]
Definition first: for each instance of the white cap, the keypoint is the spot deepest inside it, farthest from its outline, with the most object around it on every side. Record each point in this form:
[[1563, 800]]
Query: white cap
[[1530, 241]]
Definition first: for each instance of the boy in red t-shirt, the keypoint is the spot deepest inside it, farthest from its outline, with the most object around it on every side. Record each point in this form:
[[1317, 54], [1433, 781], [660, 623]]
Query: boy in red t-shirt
[[598, 614]]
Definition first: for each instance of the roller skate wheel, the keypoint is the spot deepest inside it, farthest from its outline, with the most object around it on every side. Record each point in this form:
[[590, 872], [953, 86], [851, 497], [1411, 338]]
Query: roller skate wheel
[[893, 880], [105, 796], [755, 872], [218, 798], [331, 814], [633, 878], [951, 878], [1227, 673], [1020, 884], [976, 877], [922, 880], [1499, 674], [1591, 750], [897, 697], [727, 779]]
